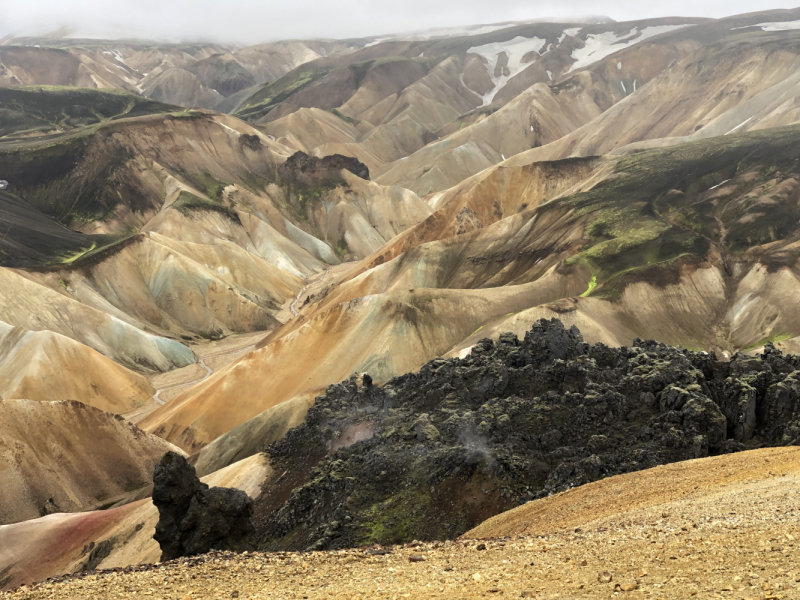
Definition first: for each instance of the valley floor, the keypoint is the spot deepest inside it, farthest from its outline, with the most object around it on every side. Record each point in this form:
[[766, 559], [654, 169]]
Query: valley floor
[[724, 527], [212, 357]]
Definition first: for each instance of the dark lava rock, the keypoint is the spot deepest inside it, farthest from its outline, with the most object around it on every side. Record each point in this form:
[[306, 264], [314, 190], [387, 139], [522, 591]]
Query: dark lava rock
[[193, 518], [97, 552], [50, 508], [311, 171], [431, 454]]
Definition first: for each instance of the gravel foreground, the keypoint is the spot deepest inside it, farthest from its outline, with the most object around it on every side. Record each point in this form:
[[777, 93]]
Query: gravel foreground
[[735, 539]]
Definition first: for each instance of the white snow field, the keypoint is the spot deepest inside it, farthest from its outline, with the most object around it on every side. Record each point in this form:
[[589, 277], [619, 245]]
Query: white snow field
[[600, 45], [515, 49], [597, 47], [777, 26]]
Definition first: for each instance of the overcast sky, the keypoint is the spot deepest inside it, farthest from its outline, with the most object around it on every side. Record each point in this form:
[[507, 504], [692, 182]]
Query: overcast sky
[[254, 21]]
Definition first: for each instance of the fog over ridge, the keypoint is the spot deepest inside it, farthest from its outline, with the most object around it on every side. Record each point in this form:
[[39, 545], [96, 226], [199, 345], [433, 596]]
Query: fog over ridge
[[250, 21]]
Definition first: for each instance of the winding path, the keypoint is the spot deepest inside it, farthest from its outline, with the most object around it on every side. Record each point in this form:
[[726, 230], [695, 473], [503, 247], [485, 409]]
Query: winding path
[[300, 293], [209, 372]]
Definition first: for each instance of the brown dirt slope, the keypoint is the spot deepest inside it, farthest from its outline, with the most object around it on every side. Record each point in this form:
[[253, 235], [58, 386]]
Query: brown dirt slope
[[77, 455], [33, 364], [723, 527]]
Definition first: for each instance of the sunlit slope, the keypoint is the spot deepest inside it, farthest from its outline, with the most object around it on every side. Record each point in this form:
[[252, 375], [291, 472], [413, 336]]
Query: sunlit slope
[[382, 334], [700, 264], [33, 366], [692, 245], [83, 458], [678, 486], [227, 240]]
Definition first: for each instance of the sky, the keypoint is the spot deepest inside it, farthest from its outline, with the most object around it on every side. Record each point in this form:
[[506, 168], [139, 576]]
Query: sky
[[254, 21]]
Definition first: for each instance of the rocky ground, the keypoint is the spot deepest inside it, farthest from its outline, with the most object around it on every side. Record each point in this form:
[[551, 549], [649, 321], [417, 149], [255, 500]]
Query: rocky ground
[[723, 527]]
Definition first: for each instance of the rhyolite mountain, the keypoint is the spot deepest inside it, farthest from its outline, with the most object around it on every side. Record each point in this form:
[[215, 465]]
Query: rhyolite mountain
[[201, 238]]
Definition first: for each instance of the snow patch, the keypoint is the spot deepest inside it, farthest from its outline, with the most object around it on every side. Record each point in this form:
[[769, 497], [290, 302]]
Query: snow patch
[[515, 49], [619, 66], [774, 26], [550, 75], [116, 54], [740, 125], [598, 46], [718, 185]]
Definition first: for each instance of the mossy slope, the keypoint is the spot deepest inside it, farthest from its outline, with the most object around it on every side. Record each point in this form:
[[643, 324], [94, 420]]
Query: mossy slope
[[48, 108]]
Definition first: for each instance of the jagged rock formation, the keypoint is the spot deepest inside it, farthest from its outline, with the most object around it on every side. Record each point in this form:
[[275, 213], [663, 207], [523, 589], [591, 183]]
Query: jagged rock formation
[[431, 453], [194, 518], [311, 171]]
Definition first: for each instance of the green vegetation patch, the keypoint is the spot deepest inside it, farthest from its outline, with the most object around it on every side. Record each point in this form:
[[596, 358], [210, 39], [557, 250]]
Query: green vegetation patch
[[770, 339], [188, 205], [660, 207], [26, 110], [275, 92], [592, 285], [210, 185]]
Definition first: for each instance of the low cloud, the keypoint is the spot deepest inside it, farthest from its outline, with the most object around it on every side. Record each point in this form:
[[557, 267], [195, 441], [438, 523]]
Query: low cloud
[[253, 21]]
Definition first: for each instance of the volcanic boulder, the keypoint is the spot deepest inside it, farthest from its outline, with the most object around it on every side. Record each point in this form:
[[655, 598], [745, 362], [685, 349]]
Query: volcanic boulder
[[193, 518]]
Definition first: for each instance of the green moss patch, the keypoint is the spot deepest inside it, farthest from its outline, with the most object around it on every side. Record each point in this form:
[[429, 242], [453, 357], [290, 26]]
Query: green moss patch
[[189, 205], [661, 206], [275, 92], [25, 110]]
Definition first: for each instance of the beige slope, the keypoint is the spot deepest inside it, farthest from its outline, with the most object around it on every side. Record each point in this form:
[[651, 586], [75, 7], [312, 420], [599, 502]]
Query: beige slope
[[30, 305], [264, 228], [47, 366], [539, 115], [197, 272], [59, 544], [163, 71], [704, 309], [382, 334], [83, 457], [360, 217], [308, 128], [675, 86], [181, 87], [677, 486], [181, 288], [254, 435], [269, 61], [404, 122], [128, 163], [463, 254], [399, 109], [21, 65], [743, 84]]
